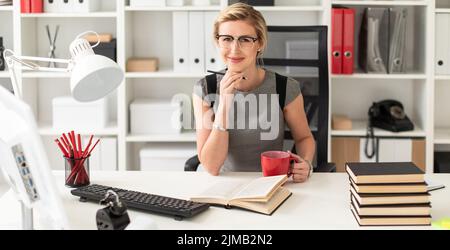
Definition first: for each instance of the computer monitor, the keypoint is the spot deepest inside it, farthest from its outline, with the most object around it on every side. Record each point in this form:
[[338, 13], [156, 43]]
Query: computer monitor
[[24, 162]]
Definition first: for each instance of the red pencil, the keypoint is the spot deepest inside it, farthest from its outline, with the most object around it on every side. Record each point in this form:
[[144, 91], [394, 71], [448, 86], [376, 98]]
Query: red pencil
[[66, 140], [62, 144], [80, 152], [74, 143], [79, 166], [62, 148], [98, 140], [87, 146]]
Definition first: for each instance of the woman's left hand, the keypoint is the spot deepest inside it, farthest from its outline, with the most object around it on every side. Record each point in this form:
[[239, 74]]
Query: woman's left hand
[[300, 169]]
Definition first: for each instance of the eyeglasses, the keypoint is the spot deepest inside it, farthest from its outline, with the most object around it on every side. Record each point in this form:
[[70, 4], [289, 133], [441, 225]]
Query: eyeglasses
[[244, 42]]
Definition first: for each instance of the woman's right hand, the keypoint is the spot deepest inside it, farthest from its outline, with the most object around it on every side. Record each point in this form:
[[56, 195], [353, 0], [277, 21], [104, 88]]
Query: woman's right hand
[[229, 81], [227, 87]]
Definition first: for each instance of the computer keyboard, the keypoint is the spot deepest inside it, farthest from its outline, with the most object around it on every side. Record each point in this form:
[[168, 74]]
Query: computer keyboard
[[142, 201]]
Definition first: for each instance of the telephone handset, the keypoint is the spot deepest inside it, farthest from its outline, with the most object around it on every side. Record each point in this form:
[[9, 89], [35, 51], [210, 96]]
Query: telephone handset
[[389, 115]]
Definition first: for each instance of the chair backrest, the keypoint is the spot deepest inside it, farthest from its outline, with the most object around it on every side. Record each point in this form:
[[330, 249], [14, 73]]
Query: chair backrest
[[301, 52]]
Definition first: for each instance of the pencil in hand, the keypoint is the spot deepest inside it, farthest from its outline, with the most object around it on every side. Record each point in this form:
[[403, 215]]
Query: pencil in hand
[[221, 73]]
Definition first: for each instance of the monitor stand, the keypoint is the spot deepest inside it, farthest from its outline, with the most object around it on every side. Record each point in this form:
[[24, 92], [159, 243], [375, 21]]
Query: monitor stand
[[27, 217]]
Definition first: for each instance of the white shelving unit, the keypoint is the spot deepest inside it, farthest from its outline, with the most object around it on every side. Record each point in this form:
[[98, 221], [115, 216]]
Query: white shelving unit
[[382, 3], [359, 129], [145, 32], [441, 118], [170, 9], [70, 15], [352, 95]]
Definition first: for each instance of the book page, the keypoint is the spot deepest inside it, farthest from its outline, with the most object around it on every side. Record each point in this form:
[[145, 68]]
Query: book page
[[279, 196], [221, 190], [260, 188]]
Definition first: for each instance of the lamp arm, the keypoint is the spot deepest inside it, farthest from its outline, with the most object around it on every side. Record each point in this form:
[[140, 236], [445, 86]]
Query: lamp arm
[[26, 61], [11, 59]]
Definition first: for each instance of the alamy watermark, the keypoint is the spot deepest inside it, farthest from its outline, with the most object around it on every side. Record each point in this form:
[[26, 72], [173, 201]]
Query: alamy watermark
[[250, 112]]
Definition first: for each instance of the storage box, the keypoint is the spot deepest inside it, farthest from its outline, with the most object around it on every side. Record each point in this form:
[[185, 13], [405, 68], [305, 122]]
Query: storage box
[[166, 156], [104, 38], [71, 6], [201, 2], [104, 156], [69, 114], [147, 3], [142, 64], [176, 3], [150, 116], [341, 122]]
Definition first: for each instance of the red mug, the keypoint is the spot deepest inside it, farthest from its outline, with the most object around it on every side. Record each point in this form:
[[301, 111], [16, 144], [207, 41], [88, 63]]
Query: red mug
[[276, 163]]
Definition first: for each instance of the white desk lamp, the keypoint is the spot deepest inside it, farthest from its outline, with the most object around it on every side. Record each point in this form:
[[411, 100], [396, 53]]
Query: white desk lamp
[[92, 76]]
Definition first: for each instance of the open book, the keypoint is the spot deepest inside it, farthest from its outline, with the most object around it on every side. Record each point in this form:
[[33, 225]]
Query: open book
[[262, 195]]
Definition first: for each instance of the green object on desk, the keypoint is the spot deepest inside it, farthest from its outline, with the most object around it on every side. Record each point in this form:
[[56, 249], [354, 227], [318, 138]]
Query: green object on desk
[[442, 224]]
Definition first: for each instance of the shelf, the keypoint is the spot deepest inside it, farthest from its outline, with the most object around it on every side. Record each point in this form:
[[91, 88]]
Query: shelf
[[382, 3], [163, 73], [289, 8], [69, 15], [408, 76], [442, 77], [359, 129], [6, 8], [46, 128], [171, 8], [442, 136], [29, 75], [442, 10], [183, 137], [218, 8]]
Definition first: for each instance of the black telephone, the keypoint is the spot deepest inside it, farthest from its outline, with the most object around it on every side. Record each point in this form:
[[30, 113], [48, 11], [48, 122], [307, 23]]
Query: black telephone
[[389, 115]]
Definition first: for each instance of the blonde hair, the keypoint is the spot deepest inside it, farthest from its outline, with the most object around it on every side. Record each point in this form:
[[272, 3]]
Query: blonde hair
[[244, 12]]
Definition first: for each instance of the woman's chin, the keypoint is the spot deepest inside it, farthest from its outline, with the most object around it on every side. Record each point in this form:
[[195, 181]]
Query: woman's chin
[[235, 68]]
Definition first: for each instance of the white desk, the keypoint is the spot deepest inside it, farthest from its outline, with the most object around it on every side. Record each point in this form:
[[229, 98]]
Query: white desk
[[321, 203]]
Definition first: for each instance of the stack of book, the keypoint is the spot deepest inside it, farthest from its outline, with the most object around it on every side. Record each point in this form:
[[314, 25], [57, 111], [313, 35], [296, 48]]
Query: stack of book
[[389, 194]]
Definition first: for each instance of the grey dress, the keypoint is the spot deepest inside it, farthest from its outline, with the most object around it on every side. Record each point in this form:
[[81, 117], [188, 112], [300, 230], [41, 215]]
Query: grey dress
[[252, 128]]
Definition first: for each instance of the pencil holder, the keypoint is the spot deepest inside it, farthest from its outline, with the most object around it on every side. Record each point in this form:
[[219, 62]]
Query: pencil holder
[[77, 171]]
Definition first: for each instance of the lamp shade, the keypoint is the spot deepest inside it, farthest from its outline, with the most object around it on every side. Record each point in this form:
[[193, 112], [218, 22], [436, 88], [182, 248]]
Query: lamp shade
[[94, 77]]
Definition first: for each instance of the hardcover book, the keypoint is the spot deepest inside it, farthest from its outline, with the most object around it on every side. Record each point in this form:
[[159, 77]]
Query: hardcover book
[[263, 195], [385, 172]]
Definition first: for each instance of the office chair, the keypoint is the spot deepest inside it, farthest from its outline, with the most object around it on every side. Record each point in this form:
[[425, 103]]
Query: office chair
[[316, 98]]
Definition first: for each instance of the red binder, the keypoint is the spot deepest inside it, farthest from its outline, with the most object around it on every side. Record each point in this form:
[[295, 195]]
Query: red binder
[[37, 6], [25, 6], [336, 40], [348, 42]]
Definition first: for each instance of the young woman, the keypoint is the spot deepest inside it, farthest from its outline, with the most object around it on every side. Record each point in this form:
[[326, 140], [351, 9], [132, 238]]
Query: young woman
[[223, 144]]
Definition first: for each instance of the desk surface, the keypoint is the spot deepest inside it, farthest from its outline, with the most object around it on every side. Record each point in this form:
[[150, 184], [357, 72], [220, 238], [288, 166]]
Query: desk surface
[[321, 203]]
